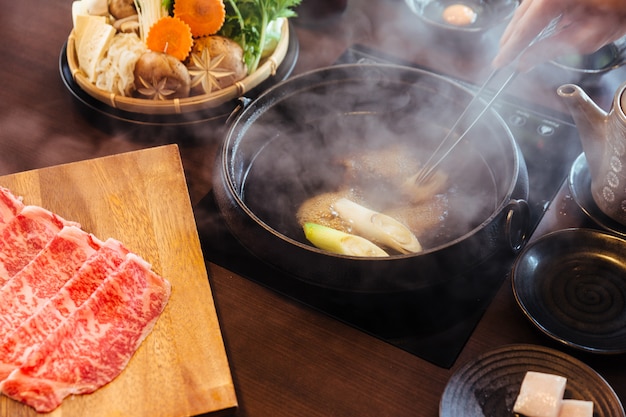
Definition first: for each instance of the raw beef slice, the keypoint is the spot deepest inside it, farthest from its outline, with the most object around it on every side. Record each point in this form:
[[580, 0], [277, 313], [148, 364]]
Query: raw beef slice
[[42, 278], [24, 236], [16, 346], [95, 343], [10, 206]]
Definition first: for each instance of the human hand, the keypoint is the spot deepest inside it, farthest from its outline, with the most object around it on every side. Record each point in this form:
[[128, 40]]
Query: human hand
[[585, 26]]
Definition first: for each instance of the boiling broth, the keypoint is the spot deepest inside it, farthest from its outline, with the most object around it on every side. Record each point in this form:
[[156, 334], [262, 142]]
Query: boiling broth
[[297, 164]]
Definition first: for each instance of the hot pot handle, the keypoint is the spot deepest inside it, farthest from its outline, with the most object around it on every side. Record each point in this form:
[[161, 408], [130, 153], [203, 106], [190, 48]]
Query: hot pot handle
[[517, 224], [242, 103]]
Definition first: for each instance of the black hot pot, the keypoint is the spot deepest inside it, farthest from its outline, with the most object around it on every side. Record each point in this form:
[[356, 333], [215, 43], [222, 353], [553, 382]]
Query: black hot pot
[[281, 149]]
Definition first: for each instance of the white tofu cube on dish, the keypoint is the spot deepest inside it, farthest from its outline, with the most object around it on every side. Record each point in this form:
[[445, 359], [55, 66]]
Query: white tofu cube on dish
[[540, 395], [576, 408]]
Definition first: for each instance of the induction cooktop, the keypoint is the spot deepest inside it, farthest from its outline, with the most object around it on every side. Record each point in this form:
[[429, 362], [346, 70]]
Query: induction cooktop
[[435, 331]]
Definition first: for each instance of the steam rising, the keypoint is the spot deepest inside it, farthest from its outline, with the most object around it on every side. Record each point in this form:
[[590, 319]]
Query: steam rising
[[293, 148]]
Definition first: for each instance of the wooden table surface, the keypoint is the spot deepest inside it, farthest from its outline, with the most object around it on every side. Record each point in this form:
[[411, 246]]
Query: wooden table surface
[[286, 358]]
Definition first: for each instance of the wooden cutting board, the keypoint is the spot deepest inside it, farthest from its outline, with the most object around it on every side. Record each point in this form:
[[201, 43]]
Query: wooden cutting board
[[141, 199]]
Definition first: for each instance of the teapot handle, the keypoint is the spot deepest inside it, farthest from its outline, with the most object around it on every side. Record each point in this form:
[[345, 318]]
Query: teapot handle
[[242, 104]]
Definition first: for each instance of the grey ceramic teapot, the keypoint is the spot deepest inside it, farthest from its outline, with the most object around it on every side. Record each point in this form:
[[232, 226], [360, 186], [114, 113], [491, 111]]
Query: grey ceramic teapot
[[603, 137]]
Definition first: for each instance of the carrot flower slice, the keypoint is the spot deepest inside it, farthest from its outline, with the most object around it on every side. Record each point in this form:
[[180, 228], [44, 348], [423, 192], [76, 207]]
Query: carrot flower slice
[[172, 36], [204, 17]]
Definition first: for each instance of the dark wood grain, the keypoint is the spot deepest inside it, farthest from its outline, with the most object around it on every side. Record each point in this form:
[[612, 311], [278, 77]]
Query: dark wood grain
[[286, 359]]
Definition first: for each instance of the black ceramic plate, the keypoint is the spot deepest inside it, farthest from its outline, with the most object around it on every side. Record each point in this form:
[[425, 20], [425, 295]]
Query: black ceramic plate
[[572, 285], [579, 183], [489, 385], [97, 110]]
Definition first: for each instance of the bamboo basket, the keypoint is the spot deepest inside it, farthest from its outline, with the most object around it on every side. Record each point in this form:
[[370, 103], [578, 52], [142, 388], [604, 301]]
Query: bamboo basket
[[266, 69]]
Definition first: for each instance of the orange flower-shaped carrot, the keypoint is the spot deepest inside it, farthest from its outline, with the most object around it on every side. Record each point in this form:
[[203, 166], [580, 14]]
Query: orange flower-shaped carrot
[[172, 36], [204, 17]]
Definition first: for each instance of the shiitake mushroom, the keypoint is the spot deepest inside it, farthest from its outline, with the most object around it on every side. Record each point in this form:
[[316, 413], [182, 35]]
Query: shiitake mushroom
[[120, 9], [215, 62], [159, 76]]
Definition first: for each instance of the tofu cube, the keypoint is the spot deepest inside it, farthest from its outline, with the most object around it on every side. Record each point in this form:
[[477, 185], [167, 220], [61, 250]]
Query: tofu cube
[[540, 395], [576, 408]]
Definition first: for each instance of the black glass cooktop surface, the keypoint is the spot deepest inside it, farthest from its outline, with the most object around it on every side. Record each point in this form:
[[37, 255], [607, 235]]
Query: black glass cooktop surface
[[434, 331]]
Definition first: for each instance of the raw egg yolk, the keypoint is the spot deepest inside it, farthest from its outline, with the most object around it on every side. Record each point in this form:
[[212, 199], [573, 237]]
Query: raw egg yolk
[[459, 15]]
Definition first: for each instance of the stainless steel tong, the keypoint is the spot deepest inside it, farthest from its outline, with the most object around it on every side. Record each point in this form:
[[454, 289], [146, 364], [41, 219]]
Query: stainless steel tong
[[441, 152]]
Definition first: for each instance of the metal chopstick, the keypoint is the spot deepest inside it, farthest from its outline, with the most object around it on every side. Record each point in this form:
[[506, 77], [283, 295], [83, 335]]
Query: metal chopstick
[[430, 166]]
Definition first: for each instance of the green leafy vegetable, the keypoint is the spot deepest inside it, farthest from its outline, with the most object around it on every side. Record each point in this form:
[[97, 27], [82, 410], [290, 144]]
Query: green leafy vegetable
[[247, 23], [169, 6]]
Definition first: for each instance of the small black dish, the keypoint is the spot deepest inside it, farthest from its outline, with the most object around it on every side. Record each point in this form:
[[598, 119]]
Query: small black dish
[[587, 70], [579, 183], [571, 284], [489, 384]]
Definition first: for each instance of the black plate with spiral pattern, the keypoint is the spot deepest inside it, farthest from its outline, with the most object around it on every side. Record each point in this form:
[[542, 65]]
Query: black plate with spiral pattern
[[489, 384], [572, 285]]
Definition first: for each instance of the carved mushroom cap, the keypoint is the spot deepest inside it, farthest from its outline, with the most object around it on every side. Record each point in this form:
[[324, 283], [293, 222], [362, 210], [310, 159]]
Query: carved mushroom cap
[[160, 76], [215, 62]]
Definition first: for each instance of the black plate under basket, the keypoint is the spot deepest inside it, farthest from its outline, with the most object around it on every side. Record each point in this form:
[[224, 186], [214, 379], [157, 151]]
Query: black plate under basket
[[149, 127]]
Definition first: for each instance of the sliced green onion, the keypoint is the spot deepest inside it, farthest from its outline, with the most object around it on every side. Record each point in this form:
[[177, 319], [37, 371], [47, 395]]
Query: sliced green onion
[[340, 242], [377, 227]]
